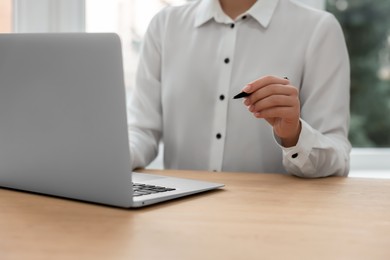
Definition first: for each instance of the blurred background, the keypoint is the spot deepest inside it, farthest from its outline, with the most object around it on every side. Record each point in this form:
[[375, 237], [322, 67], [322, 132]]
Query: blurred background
[[366, 25]]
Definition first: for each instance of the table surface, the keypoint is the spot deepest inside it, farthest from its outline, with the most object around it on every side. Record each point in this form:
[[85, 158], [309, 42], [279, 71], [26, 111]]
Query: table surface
[[256, 216]]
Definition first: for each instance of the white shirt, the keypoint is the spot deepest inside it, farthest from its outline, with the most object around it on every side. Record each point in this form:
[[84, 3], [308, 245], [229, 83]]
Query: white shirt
[[195, 59]]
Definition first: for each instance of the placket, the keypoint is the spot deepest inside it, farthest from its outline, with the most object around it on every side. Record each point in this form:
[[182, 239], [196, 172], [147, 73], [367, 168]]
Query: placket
[[226, 57]]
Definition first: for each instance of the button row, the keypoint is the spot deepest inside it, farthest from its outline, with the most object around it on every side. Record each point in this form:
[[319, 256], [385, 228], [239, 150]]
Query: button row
[[222, 97]]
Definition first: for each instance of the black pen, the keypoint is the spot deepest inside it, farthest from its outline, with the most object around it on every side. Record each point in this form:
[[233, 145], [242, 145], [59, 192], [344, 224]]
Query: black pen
[[241, 95], [244, 94]]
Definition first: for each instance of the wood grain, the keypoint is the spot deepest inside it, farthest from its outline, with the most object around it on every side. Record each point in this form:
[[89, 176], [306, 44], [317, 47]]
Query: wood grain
[[256, 216]]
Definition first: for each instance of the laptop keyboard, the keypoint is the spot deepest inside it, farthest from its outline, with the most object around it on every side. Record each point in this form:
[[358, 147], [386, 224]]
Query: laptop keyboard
[[144, 189]]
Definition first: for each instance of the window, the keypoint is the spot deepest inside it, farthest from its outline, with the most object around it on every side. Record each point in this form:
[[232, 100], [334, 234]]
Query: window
[[5, 16], [366, 26], [128, 18], [48, 16]]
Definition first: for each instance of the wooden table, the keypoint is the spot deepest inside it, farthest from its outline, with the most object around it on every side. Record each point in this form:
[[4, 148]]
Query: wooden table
[[256, 216]]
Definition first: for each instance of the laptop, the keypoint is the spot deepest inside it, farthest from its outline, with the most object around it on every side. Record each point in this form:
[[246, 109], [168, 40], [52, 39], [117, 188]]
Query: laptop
[[63, 122]]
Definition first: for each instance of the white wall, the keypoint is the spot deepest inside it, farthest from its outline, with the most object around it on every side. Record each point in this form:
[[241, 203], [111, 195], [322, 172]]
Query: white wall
[[49, 16]]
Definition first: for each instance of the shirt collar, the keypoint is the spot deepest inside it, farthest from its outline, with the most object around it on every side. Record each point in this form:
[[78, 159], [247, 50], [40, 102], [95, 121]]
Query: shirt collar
[[261, 11]]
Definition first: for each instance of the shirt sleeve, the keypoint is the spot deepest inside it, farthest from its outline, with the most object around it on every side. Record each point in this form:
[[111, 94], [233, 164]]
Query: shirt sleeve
[[323, 148], [144, 110]]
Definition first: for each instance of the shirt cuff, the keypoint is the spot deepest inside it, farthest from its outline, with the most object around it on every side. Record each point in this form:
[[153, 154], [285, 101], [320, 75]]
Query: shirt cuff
[[299, 154]]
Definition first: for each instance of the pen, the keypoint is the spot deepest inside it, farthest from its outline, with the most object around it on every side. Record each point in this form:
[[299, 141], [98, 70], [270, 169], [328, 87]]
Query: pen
[[244, 94], [241, 95]]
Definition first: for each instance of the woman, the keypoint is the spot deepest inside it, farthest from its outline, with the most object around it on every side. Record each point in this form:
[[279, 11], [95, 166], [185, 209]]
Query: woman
[[290, 59]]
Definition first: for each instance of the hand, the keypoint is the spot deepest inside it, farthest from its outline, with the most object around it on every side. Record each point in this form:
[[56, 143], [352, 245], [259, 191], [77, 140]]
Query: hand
[[277, 102]]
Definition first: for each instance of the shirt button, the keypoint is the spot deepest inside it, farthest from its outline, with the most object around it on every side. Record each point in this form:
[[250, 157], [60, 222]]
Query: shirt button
[[227, 60], [295, 155], [218, 136], [232, 25], [221, 97]]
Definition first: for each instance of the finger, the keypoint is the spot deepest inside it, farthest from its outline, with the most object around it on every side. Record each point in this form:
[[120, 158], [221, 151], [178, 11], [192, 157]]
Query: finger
[[264, 81], [270, 90], [274, 101], [278, 112]]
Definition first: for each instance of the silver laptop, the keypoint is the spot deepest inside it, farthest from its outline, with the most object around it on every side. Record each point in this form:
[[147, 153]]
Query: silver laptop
[[63, 122]]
